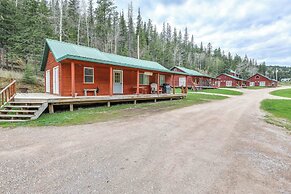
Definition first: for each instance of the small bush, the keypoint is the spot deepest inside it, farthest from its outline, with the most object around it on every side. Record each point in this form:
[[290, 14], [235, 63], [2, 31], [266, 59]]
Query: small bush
[[28, 76]]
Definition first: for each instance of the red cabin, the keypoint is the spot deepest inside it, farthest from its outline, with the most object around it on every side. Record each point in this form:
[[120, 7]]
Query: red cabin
[[262, 80], [74, 70], [193, 78], [226, 80]]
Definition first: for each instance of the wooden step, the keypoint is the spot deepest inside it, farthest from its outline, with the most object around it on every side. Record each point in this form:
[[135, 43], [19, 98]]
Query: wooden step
[[34, 103], [13, 121], [22, 106], [15, 116], [17, 111]]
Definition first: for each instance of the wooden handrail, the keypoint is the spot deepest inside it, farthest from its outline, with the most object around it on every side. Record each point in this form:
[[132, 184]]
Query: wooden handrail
[[7, 93]]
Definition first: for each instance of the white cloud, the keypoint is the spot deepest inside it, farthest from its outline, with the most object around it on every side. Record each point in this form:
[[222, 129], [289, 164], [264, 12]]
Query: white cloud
[[260, 29]]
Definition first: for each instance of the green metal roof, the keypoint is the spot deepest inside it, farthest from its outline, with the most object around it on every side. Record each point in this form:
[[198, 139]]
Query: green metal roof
[[191, 72], [234, 77], [63, 50]]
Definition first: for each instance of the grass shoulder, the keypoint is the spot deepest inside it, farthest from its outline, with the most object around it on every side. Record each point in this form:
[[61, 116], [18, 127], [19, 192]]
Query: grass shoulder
[[222, 91], [282, 93], [278, 112], [120, 111]]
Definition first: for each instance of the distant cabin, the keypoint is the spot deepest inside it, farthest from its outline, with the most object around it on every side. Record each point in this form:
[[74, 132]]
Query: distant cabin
[[261, 80], [227, 80], [194, 78], [74, 70]]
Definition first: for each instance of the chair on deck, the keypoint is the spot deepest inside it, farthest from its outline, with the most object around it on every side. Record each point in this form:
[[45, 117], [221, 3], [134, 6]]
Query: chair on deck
[[154, 88]]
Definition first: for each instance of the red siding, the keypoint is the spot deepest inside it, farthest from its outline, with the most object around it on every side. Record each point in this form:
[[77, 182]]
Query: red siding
[[51, 63], [101, 77], [223, 78], [257, 78]]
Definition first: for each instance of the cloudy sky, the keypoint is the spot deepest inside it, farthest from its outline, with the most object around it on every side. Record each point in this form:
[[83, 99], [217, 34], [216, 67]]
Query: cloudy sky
[[259, 28]]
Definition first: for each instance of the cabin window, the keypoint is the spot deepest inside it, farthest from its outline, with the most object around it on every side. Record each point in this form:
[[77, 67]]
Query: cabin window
[[88, 75], [257, 77], [144, 79], [162, 79]]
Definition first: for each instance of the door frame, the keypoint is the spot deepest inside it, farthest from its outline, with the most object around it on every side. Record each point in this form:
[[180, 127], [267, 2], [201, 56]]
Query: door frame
[[113, 77], [56, 82], [48, 81]]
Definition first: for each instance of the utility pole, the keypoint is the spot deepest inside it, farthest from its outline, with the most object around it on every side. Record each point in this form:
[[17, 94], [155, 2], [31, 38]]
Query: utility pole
[[276, 74]]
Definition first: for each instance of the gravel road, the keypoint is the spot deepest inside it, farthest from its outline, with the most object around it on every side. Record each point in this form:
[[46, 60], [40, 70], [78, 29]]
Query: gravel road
[[218, 147]]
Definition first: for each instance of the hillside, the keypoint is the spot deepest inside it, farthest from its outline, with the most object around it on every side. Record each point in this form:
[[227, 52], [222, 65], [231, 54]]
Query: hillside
[[6, 76]]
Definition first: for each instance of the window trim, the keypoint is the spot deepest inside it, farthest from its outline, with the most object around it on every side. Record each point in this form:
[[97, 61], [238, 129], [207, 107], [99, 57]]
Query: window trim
[[88, 75]]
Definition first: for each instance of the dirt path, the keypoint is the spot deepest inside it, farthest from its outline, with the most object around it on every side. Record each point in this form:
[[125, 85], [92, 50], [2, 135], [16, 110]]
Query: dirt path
[[218, 147]]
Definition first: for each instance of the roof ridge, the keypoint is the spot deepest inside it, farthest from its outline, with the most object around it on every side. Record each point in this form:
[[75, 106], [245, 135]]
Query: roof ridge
[[72, 44]]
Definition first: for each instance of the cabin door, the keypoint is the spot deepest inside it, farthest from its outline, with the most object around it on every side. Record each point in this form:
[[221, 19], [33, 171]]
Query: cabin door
[[117, 82], [48, 81], [56, 83]]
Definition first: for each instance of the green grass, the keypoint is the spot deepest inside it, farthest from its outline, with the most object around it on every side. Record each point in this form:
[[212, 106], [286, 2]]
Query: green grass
[[101, 114], [282, 93], [221, 91], [255, 87], [279, 112]]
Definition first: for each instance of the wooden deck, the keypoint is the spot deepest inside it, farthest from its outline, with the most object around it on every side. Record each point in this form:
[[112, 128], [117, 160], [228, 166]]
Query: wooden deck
[[54, 100]]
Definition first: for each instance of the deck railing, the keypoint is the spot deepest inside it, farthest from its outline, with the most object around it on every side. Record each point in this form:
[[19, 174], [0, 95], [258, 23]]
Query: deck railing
[[7, 93]]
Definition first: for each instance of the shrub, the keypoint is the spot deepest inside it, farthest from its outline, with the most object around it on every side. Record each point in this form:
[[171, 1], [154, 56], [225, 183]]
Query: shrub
[[28, 76]]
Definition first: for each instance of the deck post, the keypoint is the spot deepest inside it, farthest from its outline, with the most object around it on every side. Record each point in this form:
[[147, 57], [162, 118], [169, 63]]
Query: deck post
[[110, 81], [173, 83], [158, 81], [155, 100], [51, 108], [186, 91], [137, 82], [108, 104], [134, 102], [73, 86], [71, 107]]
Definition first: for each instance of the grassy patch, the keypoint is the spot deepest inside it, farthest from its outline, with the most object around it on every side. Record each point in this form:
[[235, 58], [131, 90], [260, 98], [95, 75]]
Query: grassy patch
[[221, 91], [100, 114], [282, 93], [280, 112]]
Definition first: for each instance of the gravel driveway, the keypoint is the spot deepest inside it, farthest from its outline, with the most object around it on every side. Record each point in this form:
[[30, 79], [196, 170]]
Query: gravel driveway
[[219, 147]]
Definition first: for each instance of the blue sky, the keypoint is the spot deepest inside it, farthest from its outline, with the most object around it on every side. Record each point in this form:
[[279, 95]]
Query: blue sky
[[260, 29]]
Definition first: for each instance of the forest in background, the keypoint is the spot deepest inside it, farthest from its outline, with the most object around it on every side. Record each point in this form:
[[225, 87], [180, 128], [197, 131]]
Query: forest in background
[[25, 24]]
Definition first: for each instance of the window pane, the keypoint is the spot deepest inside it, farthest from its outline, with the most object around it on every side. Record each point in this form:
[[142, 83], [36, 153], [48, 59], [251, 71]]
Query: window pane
[[146, 80], [162, 79], [88, 75], [141, 78], [88, 79], [117, 78], [88, 71]]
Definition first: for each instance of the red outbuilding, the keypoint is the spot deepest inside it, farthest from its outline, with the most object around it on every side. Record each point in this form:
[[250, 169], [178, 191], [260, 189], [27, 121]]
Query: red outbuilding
[[74, 70], [194, 78], [261, 80], [226, 80]]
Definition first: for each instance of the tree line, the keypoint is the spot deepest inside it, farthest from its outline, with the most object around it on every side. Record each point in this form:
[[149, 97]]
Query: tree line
[[24, 25]]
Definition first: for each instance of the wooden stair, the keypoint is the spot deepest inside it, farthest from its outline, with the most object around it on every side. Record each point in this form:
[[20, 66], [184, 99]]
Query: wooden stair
[[14, 111]]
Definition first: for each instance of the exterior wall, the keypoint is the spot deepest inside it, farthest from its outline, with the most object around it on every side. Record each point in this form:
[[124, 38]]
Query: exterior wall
[[223, 78], [51, 63], [257, 78], [101, 78]]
